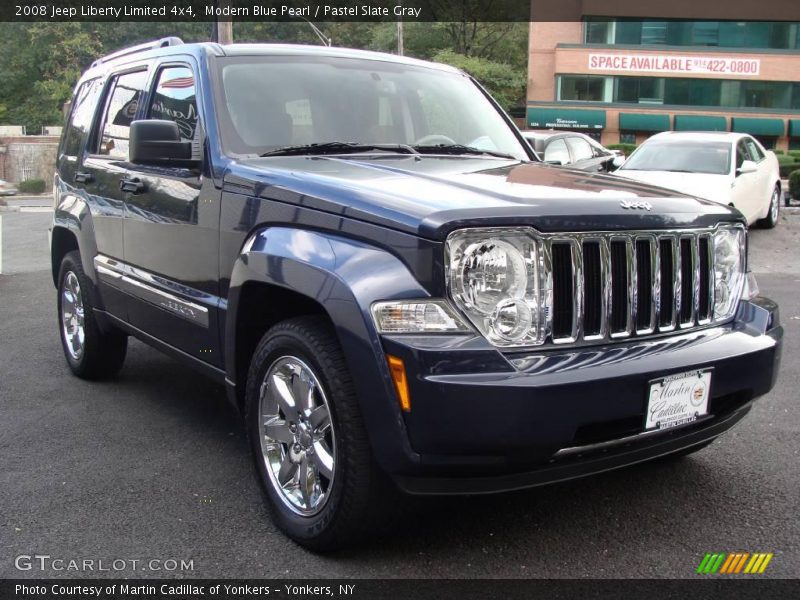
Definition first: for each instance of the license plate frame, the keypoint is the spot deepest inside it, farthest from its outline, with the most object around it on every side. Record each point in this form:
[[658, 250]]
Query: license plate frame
[[677, 400]]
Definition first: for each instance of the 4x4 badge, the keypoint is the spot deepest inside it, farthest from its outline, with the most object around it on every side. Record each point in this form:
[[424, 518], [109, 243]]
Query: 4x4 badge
[[635, 205]]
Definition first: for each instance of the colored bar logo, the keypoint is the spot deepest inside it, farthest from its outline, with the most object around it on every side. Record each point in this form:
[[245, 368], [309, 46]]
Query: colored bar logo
[[734, 563]]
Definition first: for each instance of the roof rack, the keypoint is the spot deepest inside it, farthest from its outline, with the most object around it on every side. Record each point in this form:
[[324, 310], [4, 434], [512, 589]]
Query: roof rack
[[162, 43]]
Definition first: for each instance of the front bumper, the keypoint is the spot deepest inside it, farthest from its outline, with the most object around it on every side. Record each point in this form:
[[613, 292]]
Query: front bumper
[[482, 421]]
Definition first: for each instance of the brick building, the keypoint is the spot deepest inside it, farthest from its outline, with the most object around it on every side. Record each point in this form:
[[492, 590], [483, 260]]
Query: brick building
[[624, 70]]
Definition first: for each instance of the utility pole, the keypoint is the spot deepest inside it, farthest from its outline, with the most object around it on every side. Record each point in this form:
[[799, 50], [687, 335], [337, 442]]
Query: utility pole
[[400, 44], [222, 31]]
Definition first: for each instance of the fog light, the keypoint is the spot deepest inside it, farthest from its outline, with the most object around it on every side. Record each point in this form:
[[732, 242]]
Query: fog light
[[512, 319]]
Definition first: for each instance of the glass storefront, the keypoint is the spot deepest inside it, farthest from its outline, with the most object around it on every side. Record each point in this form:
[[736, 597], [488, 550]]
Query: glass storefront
[[680, 91], [722, 34]]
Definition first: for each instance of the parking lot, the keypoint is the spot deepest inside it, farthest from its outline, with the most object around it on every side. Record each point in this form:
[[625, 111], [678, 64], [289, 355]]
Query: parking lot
[[153, 467]]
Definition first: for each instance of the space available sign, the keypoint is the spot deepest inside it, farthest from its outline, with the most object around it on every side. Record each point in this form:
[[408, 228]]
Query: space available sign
[[662, 63]]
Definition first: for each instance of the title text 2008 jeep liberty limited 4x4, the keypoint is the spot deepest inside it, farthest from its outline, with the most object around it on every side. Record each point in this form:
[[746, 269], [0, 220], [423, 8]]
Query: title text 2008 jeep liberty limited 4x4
[[394, 290]]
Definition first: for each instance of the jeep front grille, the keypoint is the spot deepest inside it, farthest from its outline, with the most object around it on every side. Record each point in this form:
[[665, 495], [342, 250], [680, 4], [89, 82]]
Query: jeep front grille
[[608, 286]]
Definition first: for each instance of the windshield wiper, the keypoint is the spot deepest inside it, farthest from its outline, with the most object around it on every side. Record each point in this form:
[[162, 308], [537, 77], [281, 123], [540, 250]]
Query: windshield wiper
[[339, 148], [460, 149]]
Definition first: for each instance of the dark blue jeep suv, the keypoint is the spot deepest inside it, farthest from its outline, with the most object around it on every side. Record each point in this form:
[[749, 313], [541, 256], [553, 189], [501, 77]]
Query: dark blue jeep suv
[[395, 291]]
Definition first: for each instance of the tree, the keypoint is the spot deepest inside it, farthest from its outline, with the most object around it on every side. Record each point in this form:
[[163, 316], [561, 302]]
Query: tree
[[504, 82], [41, 62]]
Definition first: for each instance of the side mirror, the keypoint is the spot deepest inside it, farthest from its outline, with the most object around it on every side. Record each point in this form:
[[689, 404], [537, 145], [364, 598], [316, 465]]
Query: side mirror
[[748, 166], [618, 161], [158, 142]]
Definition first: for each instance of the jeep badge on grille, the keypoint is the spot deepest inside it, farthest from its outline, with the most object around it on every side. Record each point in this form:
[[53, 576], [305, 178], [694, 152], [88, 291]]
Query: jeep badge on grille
[[635, 205]]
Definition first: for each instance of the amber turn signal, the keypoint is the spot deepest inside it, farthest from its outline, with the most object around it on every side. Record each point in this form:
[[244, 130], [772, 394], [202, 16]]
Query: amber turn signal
[[398, 370]]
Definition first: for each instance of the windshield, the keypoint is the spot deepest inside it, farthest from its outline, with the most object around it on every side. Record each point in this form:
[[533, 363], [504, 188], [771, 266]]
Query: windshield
[[269, 103], [683, 157]]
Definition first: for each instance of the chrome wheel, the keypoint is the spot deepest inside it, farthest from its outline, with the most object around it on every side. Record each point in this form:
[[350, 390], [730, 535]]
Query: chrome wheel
[[297, 435], [72, 316], [773, 207]]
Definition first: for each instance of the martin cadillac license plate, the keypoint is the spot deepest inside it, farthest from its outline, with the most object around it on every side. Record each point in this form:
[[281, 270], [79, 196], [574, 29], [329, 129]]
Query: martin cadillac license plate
[[678, 399]]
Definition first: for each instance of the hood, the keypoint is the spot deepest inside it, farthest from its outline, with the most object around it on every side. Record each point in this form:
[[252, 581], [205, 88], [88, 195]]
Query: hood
[[702, 185], [432, 195]]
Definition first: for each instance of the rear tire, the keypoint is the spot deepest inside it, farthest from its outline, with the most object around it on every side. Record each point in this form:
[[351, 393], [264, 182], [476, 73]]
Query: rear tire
[[90, 352], [771, 219], [312, 457]]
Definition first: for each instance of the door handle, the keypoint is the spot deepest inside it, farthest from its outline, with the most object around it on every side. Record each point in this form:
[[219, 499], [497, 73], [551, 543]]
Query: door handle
[[81, 177], [133, 186]]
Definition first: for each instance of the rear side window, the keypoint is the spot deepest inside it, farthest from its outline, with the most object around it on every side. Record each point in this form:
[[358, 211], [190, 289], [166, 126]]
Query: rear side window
[[80, 119], [175, 100], [557, 152], [123, 100], [755, 152], [581, 150], [742, 153]]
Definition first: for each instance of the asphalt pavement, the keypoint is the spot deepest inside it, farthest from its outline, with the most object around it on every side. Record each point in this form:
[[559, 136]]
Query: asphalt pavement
[[154, 467]]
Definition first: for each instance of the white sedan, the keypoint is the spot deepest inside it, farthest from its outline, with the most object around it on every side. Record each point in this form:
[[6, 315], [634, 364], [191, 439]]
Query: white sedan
[[729, 168]]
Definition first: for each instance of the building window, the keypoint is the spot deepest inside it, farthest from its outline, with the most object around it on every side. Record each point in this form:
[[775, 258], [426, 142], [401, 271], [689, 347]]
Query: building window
[[679, 91], [627, 137], [599, 32], [765, 94], [726, 34], [794, 143], [702, 34], [585, 88], [642, 90], [654, 32], [692, 92]]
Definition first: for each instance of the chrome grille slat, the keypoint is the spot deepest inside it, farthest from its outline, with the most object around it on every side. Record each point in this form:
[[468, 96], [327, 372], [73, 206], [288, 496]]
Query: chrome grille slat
[[688, 264], [660, 273], [696, 280], [577, 290], [605, 274], [630, 255], [654, 284], [677, 286]]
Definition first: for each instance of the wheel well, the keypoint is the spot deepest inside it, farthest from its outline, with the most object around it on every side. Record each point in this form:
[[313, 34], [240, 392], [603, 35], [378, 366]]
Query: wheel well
[[262, 305], [63, 241]]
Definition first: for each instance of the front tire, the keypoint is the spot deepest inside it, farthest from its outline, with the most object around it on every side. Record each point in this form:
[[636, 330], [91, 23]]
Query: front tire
[[309, 442], [90, 352], [771, 219]]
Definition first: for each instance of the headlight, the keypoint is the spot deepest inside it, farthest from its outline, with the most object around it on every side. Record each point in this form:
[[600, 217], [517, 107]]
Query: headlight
[[493, 276], [729, 270], [416, 316]]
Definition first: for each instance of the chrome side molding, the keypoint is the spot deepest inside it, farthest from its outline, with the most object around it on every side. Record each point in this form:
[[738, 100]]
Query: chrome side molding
[[142, 285]]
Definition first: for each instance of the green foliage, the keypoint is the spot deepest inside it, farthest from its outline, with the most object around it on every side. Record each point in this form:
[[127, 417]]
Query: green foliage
[[787, 168], [795, 153], [41, 62], [778, 152], [32, 186], [625, 148], [794, 184], [505, 83], [785, 160]]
